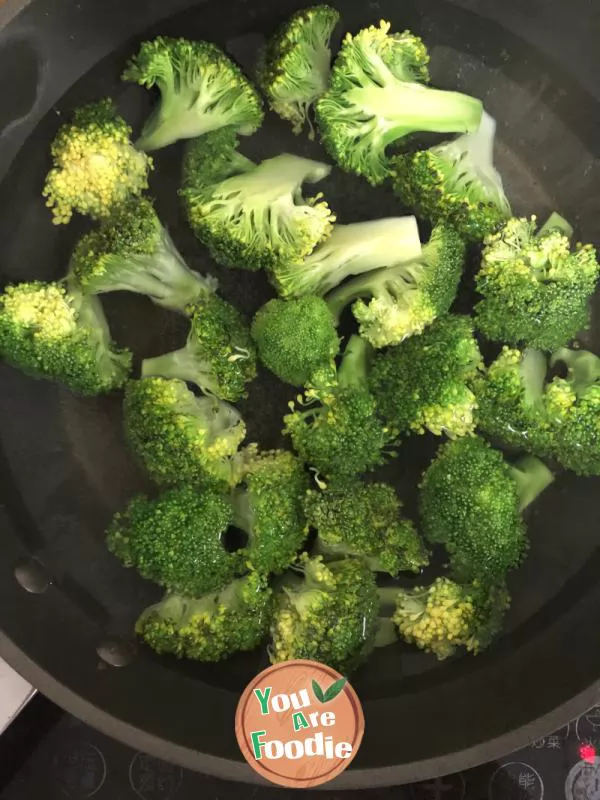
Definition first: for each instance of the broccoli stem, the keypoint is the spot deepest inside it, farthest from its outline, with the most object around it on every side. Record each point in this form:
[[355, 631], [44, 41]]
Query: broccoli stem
[[414, 107], [386, 633], [243, 513], [533, 371], [531, 476], [357, 249], [178, 116], [480, 143], [362, 286], [354, 370], [274, 178], [92, 317], [584, 368], [556, 223], [183, 365], [340, 550], [388, 595], [162, 275]]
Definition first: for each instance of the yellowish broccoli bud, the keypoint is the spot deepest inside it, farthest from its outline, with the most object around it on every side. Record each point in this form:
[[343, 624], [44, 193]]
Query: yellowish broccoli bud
[[95, 167]]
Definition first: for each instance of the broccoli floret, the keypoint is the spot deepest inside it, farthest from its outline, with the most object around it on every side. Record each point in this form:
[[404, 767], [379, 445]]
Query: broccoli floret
[[447, 615], [336, 429], [378, 95], [365, 520], [350, 250], [471, 502], [535, 288], [268, 508], [95, 166], [330, 614], [219, 356], [295, 66], [201, 90], [131, 251], [181, 438], [253, 216], [455, 182], [295, 338], [422, 384], [510, 400], [211, 627], [176, 540], [51, 330], [573, 407], [406, 298]]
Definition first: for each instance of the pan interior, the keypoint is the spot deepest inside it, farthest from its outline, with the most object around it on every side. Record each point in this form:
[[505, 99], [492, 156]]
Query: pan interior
[[67, 468]]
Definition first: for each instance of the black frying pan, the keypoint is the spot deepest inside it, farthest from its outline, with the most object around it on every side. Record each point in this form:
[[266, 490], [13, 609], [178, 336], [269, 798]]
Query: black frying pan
[[66, 606]]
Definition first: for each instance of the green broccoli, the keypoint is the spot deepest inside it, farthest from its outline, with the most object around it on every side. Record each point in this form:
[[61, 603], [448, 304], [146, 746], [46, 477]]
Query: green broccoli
[[455, 182], [131, 251], [268, 508], [252, 216], [471, 502], [406, 298], [176, 540], [365, 520], [295, 338], [328, 613], [535, 289], [510, 400], [201, 90], [219, 356], [336, 429], [573, 407], [378, 95], [95, 166], [422, 384], [446, 615], [51, 330], [295, 65], [181, 438], [211, 627], [350, 250]]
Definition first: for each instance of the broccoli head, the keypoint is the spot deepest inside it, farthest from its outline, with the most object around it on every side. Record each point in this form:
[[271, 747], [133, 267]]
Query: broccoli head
[[295, 65], [295, 338], [211, 627], [447, 615], [573, 408], [51, 330], [268, 508], [365, 520], [471, 502], [181, 438], [535, 288], [253, 216], [329, 614], [131, 251], [95, 166], [406, 297], [350, 250], [378, 95], [455, 182], [176, 540], [335, 428], [219, 356], [201, 90], [510, 400], [422, 384]]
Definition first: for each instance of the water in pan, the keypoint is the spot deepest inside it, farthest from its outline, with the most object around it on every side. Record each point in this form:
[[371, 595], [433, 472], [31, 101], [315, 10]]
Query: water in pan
[[70, 469]]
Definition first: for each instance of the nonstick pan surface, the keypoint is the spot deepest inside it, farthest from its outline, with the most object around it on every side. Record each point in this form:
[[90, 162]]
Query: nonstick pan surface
[[67, 607]]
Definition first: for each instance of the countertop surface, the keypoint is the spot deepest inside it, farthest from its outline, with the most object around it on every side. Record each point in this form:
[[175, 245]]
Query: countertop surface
[[46, 754]]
